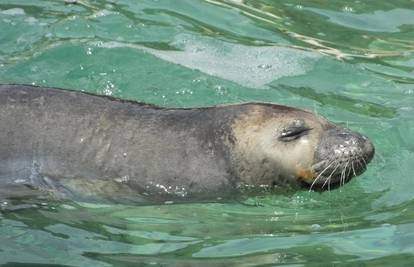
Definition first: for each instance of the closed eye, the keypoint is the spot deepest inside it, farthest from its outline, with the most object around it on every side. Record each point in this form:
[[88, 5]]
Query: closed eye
[[293, 133]]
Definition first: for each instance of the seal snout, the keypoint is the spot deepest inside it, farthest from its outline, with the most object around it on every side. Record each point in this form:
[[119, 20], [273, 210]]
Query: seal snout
[[341, 155]]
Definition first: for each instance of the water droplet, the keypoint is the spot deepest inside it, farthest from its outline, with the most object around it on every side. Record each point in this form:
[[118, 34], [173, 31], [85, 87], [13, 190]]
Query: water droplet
[[184, 91], [68, 207], [409, 92], [109, 6], [274, 219], [106, 91], [220, 90], [123, 179], [109, 88], [264, 66], [347, 9], [315, 226]]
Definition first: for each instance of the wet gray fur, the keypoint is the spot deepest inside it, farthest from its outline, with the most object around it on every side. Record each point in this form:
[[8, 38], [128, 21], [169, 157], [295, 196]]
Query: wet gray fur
[[75, 144]]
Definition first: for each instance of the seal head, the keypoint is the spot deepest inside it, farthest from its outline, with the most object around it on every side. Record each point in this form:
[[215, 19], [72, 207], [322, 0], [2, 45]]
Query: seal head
[[277, 146]]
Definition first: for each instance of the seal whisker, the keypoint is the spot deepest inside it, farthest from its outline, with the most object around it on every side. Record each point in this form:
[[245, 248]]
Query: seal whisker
[[349, 169], [361, 161], [319, 175], [329, 184], [333, 171], [345, 169], [327, 179], [353, 169], [342, 176], [365, 163]]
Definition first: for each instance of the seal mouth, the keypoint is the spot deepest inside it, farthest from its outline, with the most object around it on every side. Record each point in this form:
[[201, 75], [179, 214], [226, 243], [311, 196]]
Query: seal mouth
[[332, 173], [341, 155]]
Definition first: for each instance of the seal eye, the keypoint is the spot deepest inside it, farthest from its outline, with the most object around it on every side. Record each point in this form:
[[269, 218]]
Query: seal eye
[[293, 133]]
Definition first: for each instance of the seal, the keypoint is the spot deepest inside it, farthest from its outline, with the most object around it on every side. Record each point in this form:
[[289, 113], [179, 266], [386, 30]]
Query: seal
[[72, 144]]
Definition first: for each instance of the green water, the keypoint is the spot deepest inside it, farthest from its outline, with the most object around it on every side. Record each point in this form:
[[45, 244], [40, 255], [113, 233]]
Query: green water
[[352, 61]]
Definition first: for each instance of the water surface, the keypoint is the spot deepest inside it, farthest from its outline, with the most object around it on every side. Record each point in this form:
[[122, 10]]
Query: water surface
[[352, 61]]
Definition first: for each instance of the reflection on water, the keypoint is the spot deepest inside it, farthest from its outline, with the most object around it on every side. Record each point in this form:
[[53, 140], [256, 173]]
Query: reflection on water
[[352, 62], [347, 103]]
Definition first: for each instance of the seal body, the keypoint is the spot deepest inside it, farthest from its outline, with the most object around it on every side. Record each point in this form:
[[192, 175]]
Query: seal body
[[78, 145]]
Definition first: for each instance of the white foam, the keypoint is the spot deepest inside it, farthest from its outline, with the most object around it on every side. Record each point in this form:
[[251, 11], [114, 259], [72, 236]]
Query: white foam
[[31, 20], [246, 65], [13, 12]]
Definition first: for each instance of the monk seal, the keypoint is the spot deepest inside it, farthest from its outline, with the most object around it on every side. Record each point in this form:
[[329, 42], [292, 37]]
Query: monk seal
[[75, 144]]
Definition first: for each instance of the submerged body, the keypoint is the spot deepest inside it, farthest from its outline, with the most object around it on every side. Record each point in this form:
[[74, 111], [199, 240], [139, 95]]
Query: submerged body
[[77, 145]]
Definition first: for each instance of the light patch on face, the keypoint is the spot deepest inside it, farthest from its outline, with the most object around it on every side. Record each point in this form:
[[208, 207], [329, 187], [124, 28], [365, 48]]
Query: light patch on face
[[261, 158], [304, 141], [306, 175]]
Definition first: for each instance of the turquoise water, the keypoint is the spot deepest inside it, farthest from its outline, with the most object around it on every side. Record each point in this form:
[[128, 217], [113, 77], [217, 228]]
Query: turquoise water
[[352, 61]]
